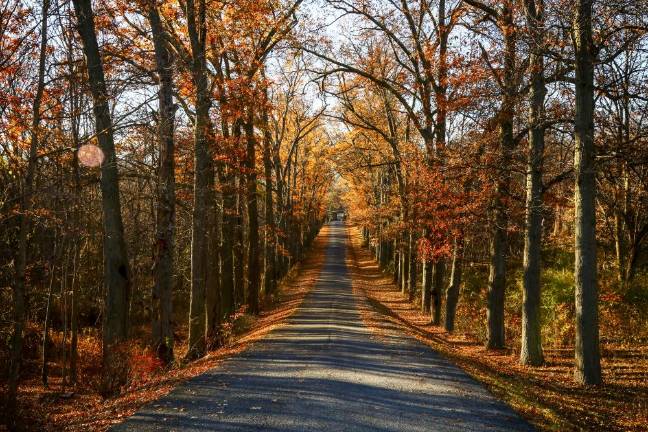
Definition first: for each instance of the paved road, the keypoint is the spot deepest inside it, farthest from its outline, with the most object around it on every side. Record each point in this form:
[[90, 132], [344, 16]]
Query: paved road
[[323, 372]]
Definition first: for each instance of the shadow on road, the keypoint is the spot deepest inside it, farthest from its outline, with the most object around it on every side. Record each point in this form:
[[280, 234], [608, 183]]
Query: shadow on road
[[325, 371]]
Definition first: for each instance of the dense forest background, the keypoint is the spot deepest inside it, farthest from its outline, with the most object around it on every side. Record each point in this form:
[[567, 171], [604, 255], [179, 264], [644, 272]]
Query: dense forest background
[[164, 164]]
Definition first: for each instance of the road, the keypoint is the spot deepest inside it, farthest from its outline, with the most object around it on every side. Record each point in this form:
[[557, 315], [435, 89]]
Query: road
[[323, 371]]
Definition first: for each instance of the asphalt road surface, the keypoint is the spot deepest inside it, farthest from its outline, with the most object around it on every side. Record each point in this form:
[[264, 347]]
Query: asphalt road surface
[[323, 371]]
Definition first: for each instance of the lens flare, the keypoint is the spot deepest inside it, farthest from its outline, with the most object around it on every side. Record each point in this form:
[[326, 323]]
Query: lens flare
[[90, 155]]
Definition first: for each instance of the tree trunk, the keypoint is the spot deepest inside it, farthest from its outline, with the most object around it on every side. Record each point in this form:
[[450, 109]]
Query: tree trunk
[[239, 245], [588, 361], [270, 229], [426, 287], [48, 312], [74, 314], [163, 266], [196, 29], [253, 218], [531, 351], [452, 294], [116, 267], [64, 311], [396, 260], [411, 281], [437, 291], [75, 95], [441, 92], [405, 263], [227, 244], [499, 223], [281, 216], [24, 226], [213, 290]]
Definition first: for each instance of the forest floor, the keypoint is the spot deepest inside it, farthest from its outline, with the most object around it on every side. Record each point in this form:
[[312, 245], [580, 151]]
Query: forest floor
[[547, 396], [83, 409]]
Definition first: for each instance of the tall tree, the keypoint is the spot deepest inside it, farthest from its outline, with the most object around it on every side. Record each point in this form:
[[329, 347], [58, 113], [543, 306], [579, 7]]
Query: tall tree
[[165, 224], [531, 352], [253, 273], [270, 256], [503, 17], [588, 360], [203, 169], [26, 205], [116, 267]]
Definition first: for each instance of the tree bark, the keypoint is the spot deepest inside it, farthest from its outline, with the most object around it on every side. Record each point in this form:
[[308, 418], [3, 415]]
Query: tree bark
[[253, 218], [117, 276], [163, 265], [270, 229], [213, 290], [426, 287], [74, 314], [531, 350], [239, 243], [500, 219], [437, 291], [48, 309], [588, 360], [452, 293], [227, 244], [404, 274], [411, 281], [281, 216], [24, 226], [196, 28]]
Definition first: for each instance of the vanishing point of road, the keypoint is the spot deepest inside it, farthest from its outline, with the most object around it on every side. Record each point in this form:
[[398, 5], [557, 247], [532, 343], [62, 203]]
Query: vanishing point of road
[[324, 371]]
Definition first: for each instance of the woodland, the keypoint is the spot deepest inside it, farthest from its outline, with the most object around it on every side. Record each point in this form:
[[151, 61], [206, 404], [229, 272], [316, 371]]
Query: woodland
[[165, 165]]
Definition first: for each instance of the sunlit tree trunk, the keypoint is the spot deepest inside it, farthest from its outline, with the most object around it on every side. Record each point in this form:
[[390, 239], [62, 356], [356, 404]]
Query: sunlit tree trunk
[[281, 215], [588, 360], [270, 229], [163, 266], [116, 266], [452, 293], [500, 218], [196, 28], [405, 260], [531, 350], [396, 260], [441, 95], [411, 277]]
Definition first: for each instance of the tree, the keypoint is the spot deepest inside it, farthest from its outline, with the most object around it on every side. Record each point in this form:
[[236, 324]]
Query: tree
[[26, 205], [503, 17], [588, 362], [531, 352], [165, 224], [116, 266], [253, 274], [197, 31]]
